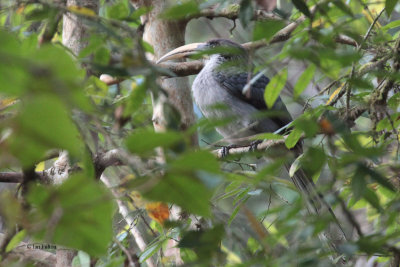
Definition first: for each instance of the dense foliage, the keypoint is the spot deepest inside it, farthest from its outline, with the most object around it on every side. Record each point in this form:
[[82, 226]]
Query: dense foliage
[[236, 214]]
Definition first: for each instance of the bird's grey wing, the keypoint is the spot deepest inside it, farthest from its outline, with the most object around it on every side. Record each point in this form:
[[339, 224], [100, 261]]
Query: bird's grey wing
[[234, 84]]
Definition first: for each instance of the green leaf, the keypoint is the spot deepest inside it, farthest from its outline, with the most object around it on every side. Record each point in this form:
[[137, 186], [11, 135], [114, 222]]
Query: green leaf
[[245, 12], [267, 136], [304, 80], [274, 87], [342, 6], [186, 191], [372, 199], [97, 89], [119, 10], [313, 160], [197, 160], [308, 124], [40, 13], [204, 243], [266, 29], [301, 5], [181, 10], [150, 250], [285, 193], [136, 98], [81, 260], [389, 6], [377, 177], [295, 165], [101, 56], [144, 140], [358, 183], [16, 239], [293, 138], [234, 213], [81, 212], [44, 122], [391, 25]]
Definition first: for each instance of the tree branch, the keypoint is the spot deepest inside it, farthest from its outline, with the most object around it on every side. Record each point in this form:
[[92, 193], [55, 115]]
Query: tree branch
[[183, 68], [232, 13], [40, 257], [107, 159], [265, 145], [194, 67]]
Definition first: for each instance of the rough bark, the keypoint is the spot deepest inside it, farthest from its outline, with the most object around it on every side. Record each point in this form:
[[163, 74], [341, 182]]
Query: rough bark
[[74, 34], [64, 257]]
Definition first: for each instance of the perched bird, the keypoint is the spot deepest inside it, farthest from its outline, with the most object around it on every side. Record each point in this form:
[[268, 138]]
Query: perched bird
[[222, 81], [227, 79]]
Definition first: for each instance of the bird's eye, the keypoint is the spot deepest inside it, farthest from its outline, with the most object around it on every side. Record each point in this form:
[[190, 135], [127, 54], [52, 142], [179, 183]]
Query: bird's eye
[[213, 44]]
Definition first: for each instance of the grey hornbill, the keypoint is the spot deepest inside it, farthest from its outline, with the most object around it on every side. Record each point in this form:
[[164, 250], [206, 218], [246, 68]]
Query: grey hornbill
[[225, 79]]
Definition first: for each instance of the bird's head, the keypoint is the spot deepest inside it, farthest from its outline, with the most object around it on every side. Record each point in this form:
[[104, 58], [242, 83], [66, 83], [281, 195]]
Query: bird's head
[[224, 49]]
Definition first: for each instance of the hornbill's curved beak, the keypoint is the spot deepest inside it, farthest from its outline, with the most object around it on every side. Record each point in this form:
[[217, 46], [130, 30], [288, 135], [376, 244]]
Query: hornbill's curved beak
[[182, 51]]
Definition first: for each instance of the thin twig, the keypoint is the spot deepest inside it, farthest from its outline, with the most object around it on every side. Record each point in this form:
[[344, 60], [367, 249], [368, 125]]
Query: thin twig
[[124, 211], [132, 263]]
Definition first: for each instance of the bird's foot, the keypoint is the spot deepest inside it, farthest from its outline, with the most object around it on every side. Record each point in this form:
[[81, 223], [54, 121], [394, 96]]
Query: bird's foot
[[253, 145], [225, 150]]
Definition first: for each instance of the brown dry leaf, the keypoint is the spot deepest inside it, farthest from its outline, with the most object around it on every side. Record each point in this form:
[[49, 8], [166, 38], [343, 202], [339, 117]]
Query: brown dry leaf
[[158, 211]]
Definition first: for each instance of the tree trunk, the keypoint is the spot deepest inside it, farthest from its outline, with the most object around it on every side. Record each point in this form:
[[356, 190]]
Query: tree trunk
[[74, 34], [165, 36]]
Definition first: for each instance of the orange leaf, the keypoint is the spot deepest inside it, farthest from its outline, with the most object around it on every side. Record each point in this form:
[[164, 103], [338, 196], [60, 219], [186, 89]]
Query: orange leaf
[[158, 211]]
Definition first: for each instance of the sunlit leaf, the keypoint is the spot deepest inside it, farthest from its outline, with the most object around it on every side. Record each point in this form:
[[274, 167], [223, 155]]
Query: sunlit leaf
[[274, 87], [293, 138], [304, 79], [391, 25], [334, 94], [16, 239], [82, 10], [295, 166]]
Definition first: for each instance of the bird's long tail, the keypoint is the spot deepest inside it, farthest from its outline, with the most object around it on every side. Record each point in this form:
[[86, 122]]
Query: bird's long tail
[[316, 204]]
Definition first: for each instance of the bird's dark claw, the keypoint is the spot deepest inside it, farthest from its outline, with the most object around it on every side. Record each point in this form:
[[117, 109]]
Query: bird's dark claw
[[253, 145], [225, 150]]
